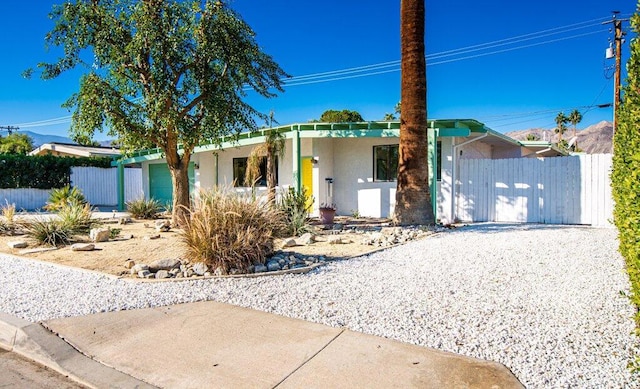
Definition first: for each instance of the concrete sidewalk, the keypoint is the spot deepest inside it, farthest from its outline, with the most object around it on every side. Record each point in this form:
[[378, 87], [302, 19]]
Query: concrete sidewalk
[[210, 344]]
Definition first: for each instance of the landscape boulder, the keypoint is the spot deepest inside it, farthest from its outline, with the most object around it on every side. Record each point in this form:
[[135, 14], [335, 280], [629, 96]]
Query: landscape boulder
[[99, 234], [164, 264], [83, 247]]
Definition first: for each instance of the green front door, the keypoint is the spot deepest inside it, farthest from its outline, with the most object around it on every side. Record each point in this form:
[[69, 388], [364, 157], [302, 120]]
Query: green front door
[[160, 186]]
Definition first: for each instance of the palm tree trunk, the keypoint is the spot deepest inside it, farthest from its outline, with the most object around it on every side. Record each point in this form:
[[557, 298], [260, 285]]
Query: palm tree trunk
[[271, 174], [413, 197]]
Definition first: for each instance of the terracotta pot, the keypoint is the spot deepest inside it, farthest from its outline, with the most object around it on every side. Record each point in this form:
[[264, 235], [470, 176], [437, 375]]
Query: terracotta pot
[[327, 215]]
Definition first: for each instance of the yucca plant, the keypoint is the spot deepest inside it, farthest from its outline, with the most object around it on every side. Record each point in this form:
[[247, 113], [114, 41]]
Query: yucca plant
[[49, 232], [296, 205], [229, 231], [143, 208], [67, 195], [76, 216]]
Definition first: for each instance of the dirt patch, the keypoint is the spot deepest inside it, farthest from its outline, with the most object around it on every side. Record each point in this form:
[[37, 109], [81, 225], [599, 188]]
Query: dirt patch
[[110, 257]]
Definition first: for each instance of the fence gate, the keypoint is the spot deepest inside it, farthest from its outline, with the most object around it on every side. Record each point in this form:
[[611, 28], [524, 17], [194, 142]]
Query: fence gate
[[559, 190]]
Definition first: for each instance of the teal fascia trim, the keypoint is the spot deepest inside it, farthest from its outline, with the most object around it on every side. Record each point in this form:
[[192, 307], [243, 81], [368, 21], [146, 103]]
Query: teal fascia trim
[[362, 133], [452, 132], [381, 129]]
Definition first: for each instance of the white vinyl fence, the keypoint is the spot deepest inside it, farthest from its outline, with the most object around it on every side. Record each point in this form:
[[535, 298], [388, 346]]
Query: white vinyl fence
[[99, 186], [560, 190]]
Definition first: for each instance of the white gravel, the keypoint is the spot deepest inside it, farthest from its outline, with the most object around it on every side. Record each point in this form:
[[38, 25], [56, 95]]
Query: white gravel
[[546, 301]]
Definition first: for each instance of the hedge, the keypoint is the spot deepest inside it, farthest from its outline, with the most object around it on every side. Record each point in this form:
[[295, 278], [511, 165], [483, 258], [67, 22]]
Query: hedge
[[41, 171], [625, 176]]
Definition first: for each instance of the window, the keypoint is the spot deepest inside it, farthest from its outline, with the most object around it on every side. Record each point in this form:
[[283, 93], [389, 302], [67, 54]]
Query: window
[[240, 169], [385, 160]]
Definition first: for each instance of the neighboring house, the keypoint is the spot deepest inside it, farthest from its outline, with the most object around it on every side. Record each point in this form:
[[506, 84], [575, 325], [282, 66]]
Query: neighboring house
[[352, 165], [74, 150]]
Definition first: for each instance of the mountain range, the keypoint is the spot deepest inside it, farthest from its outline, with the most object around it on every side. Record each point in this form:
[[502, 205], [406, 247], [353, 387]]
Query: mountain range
[[595, 139], [40, 139]]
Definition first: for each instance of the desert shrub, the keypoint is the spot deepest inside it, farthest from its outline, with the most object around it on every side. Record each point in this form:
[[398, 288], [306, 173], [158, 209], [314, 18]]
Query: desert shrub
[[76, 216], [50, 232], [5, 228], [61, 197], [143, 208], [295, 206], [8, 212], [229, 231]]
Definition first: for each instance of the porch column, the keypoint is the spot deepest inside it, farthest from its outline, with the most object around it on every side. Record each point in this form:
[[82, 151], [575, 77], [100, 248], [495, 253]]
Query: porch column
[[120, 173], [295, 149], [432, 139]]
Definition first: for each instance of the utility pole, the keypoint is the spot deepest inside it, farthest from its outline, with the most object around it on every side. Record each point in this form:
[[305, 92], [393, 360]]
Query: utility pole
[[618, 39], [9, 129]]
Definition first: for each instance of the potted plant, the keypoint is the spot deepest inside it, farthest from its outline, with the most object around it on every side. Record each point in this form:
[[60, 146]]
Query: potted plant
[[327, 213]]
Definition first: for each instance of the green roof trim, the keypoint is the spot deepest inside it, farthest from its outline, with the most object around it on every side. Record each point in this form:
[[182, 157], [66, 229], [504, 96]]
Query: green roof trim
[[375, 129]]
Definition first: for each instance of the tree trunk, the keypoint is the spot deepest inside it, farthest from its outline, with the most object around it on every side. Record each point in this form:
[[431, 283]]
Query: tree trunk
[[181, 198], [413, 197], [179, 169]]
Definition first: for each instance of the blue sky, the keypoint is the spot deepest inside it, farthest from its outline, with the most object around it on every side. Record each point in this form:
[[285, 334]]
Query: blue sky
[[505, 85]]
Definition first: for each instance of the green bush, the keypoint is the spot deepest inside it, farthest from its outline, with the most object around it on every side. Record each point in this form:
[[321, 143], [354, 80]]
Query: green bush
[[295, 206], [228, 231], [144, 209], [63, 197], [49, 232], [625, 176], [42, 171]]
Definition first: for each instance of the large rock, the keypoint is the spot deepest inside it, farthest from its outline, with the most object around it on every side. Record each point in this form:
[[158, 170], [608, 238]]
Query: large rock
[[99, 234], [17, 244], [163, 225], [306, 239], [289, 243], [164, 264], [273, 266], [83, 247], [200, 268], [260, 269], [162, 274]]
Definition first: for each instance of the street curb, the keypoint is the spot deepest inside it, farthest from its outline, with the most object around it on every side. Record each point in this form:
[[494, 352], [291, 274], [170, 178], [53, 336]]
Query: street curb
[[33, 341]]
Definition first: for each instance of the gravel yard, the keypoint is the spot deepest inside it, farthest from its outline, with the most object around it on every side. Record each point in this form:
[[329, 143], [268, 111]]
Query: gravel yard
[[546, 301]]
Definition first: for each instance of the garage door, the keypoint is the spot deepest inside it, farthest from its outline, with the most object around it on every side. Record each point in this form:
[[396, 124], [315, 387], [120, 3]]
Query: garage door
[[160, 187]]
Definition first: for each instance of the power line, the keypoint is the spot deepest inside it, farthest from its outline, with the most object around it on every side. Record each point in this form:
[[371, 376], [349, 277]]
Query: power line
[[393, 66]]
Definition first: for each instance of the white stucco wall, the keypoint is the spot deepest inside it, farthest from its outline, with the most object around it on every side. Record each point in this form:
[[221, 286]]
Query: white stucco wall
[[354, 187], [444, 186]]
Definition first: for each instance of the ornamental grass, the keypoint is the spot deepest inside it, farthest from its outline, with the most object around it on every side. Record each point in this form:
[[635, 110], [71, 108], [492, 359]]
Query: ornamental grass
[[228, 231]]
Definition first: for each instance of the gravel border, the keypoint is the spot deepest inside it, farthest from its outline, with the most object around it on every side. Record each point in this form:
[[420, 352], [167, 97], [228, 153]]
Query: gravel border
[[547, 301]]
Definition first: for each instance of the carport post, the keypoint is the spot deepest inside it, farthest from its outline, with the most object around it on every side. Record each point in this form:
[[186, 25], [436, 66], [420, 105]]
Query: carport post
[[120, 187]]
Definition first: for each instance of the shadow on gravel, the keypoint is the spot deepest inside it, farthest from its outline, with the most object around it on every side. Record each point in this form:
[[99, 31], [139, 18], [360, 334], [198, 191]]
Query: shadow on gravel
[[494, 228]]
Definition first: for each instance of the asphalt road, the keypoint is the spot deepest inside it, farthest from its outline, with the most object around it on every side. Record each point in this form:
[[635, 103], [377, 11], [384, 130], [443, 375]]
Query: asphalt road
[[18, 372]]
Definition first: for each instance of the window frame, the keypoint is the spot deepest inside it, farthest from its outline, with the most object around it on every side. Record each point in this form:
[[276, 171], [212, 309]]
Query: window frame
[[394, 175], [238, 182]]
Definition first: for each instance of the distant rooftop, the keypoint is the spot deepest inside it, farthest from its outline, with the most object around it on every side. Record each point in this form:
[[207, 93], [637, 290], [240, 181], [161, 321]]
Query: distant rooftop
[[75, 150]]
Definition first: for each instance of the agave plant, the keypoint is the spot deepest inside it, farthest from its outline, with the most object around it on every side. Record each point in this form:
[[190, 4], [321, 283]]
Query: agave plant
[[66, 195]]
